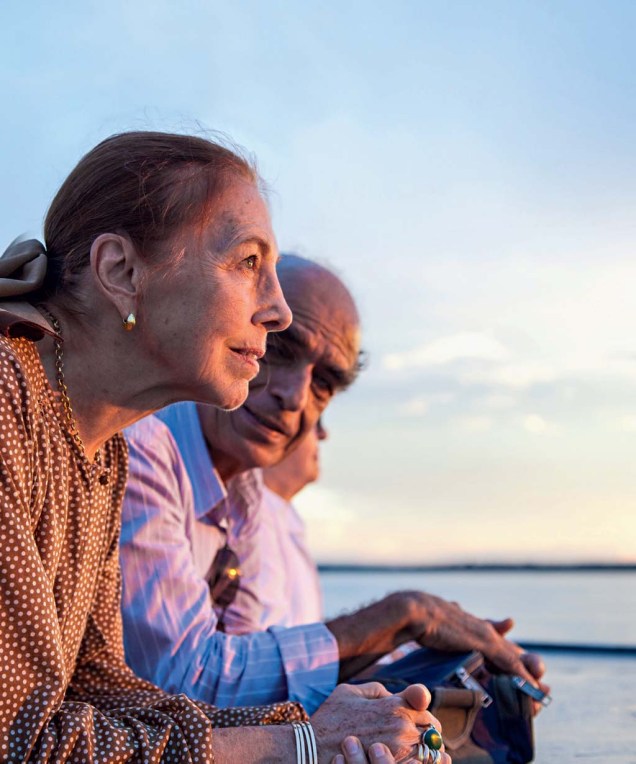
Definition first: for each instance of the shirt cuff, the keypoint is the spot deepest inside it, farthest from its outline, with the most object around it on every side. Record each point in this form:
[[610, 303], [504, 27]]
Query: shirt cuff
[[311, 662]]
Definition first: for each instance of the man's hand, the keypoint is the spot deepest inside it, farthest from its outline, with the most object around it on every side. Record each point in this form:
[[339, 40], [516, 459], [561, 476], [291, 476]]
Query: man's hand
[[373, 715], [405, 616], [446, 626]]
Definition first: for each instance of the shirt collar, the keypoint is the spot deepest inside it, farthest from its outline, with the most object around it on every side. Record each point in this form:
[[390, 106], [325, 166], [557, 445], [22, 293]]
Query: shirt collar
[[247, 487], [208, 489]]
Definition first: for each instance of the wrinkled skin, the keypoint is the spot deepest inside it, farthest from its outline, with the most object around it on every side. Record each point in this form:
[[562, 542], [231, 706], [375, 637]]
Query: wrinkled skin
[[455, 629], [409, 616], [374, 717]]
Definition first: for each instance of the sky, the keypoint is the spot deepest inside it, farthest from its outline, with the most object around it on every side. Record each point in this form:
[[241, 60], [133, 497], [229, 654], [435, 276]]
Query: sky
[[469, 169]]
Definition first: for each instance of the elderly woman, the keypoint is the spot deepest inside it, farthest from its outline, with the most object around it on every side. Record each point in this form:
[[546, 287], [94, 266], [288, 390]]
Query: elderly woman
[[157, 283]]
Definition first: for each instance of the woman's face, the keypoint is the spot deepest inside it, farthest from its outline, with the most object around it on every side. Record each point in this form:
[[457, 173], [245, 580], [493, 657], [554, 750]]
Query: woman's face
[[204, 323]]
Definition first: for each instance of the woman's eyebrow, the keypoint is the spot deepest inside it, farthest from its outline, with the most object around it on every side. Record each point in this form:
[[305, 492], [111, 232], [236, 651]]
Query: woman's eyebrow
[[263, 244], [231, 232]]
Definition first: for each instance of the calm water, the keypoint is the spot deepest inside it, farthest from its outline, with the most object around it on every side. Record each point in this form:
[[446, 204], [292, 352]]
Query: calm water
[[550, 607], [594, 697]]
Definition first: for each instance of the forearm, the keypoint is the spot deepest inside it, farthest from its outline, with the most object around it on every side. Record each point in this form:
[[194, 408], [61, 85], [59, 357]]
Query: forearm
[[373, 631]]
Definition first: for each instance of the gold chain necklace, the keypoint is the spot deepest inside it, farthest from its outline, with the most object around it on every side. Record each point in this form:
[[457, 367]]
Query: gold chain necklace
[[61, 385]]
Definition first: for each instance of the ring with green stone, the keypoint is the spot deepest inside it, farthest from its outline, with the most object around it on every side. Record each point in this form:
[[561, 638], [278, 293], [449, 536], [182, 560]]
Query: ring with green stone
[[432, 738]]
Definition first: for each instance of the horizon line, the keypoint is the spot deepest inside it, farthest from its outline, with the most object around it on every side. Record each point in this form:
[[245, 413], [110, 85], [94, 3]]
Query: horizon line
[[337, 567]]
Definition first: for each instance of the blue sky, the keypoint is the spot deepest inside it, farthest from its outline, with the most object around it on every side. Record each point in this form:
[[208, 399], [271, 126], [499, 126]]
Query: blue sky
[[469, 169]]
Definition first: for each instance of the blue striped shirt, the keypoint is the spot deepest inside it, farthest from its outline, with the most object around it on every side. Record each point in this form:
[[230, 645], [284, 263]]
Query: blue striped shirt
[[170, 627]]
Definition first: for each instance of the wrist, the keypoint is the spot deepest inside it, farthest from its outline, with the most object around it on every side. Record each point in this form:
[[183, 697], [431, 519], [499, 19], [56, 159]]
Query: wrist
[[306, 748]]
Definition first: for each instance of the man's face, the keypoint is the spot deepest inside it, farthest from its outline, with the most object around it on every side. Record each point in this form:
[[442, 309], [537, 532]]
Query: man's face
[[302, 466], [303, 368]]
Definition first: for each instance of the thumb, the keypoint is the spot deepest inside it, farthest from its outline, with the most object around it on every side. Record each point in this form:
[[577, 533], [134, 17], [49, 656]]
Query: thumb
[[417, 696]]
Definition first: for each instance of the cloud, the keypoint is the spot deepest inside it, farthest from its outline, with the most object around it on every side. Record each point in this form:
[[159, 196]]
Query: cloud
[[474, 423], [498, 402], [415, 407], [516, 376], [445, 350], [422, 404], [322, 505], [537, 425], [627, 423]]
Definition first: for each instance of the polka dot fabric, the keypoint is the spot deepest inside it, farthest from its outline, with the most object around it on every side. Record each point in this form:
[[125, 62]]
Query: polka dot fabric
[[66, 693]]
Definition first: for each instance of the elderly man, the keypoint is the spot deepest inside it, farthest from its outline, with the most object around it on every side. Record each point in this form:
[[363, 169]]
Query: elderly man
[[178, 514]]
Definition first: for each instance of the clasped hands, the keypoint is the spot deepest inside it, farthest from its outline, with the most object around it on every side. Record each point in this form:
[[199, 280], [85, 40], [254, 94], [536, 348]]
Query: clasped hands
[[386, 728]]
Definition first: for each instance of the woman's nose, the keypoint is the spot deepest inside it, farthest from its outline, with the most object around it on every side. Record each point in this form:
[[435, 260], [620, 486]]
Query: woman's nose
[[276, 315]]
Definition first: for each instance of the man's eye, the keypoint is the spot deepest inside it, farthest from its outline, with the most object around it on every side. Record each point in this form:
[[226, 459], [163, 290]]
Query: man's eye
[[323, 386], [278, 351], [251, 262]]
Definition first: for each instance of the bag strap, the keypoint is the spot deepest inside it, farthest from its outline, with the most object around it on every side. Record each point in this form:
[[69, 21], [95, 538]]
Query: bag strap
[[455, 699]]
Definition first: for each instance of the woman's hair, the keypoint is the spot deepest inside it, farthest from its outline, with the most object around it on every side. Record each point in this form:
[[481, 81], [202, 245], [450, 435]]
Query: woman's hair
[[148, 186]]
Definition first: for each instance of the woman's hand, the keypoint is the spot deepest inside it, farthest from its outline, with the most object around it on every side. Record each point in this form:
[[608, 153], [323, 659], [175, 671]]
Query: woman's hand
[[353, 753], [374, 716], [378, 753]]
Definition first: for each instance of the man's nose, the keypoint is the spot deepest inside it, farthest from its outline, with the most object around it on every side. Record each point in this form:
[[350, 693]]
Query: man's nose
[[321, 431], [293, 388]]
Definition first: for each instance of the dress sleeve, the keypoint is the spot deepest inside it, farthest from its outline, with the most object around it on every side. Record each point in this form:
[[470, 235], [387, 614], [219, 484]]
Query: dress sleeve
[[102, 713], [38, 722], [172, 728], [170, 626]]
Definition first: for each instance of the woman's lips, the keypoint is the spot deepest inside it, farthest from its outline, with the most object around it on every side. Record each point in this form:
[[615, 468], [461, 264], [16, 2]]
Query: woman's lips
[[249, 356]]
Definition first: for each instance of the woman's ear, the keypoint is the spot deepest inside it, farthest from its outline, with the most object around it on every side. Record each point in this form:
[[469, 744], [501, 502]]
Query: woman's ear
[[117, 269]]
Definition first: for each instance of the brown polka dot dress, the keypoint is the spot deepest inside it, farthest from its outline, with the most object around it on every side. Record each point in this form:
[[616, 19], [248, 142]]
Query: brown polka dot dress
[[66, 693]]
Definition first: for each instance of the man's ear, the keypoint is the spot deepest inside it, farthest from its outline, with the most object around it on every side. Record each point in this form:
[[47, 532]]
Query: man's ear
[[117, 269]]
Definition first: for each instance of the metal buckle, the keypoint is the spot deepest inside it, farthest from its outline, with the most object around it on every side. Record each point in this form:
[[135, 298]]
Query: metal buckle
[[470, 683], [529, 689]]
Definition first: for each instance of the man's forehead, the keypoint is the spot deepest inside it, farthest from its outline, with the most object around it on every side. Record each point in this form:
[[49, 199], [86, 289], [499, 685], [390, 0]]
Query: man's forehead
[[325, 318], [296, 339], [330, 345]]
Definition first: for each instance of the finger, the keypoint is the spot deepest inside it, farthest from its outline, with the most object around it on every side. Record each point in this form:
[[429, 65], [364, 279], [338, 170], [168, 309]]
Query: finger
[[380, 754], [534, 664], [430, 721], [417, 696], [503, 627], [508, 658], [370, 690], [353, 751], [515, 666], [537, 706], [338, 759]]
